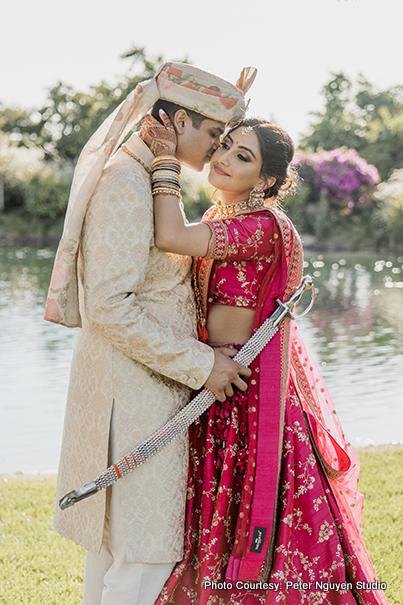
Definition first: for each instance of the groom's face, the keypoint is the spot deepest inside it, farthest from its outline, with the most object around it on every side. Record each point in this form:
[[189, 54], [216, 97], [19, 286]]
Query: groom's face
[[197, 145]]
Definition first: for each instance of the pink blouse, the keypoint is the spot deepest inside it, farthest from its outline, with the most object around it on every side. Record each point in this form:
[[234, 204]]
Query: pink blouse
[[243, 248]]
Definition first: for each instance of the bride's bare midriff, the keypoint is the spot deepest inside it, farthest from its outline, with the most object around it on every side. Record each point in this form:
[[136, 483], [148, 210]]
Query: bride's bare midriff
[[228, 324]]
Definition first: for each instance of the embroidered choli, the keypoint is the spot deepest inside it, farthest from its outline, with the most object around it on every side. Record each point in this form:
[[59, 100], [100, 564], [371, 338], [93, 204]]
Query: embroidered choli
[[242, 247]]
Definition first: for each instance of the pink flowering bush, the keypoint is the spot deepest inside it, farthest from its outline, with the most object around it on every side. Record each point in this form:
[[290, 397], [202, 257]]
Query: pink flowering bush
[[343, 177], [335, 197]]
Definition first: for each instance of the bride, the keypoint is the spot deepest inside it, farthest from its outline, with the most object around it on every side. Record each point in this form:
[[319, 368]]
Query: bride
[[273, 512]]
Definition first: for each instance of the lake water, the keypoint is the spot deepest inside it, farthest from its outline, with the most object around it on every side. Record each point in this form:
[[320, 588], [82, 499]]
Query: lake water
[[355, 332]]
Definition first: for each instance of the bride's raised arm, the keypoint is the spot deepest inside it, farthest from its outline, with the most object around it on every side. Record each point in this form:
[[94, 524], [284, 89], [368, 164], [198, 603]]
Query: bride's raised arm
[[172, 231]]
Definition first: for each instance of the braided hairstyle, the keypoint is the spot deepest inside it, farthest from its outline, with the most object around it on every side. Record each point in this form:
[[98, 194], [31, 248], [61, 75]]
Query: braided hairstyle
[[277, 151]]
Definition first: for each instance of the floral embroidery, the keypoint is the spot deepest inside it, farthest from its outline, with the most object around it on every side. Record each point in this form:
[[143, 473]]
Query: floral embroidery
[[325, 532], [242, 247], [218, 245]]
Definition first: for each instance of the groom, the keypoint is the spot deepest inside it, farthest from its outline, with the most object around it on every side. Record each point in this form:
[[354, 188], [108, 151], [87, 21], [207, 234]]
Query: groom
[[136, 356]]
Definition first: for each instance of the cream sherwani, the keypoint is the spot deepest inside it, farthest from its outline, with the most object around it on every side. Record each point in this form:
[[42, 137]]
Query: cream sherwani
[[137, 354]]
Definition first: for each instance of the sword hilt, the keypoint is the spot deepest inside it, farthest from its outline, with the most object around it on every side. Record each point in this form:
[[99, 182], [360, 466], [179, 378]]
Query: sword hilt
[[78, 494], [306, 283], [284, 309]]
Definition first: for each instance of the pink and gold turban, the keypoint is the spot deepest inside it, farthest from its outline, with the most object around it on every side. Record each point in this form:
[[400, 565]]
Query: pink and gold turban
[[179, 83]]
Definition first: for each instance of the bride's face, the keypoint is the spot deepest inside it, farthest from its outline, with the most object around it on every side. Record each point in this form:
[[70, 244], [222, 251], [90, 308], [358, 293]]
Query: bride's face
[[235, 166]]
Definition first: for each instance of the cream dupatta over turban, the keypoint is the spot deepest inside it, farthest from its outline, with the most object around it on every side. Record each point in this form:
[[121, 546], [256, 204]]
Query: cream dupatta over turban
[[179, 83]]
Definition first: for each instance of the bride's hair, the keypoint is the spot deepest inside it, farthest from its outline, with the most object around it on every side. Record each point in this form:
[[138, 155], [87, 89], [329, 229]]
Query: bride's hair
[[277, 151]]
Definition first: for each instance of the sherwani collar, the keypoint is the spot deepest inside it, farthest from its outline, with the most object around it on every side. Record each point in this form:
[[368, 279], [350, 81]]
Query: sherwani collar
[[140, 149]]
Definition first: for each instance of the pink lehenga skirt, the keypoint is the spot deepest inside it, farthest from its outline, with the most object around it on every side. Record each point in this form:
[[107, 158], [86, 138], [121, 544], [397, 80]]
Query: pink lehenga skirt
[[314, 560]]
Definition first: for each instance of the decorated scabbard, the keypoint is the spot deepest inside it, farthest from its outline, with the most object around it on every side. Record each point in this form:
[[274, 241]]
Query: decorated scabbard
[[181, 421]]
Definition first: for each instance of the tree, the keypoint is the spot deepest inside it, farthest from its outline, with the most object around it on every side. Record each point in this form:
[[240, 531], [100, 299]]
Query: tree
[[366, 120], [60, 130], [69, 118]]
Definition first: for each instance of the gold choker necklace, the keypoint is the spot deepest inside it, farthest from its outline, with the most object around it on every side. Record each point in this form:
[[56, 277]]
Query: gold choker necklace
[[226, 210]]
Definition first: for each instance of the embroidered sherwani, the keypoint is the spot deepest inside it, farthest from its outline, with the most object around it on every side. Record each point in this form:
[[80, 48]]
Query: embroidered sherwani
[[136, 354]]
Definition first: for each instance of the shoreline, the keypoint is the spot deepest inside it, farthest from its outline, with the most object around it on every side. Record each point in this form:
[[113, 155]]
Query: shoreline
[[41, 475]]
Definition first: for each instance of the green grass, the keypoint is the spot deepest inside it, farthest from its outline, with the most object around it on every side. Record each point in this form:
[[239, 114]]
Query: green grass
[[381, 482], [39, 567]]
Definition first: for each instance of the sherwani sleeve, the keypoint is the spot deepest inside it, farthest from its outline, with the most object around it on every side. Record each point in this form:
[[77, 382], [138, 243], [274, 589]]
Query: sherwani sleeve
[[115, 250]]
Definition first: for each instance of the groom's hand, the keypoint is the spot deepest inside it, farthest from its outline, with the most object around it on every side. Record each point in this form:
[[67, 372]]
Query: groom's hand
[[225, 373], [160, 138]]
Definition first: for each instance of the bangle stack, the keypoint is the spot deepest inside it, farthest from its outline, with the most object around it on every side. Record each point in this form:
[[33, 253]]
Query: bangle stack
[[165, 176]]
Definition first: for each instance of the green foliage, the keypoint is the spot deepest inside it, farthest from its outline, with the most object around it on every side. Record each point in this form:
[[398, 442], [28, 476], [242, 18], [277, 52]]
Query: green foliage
[[335, 200], [366, 120], [14, 122], [48, 192], [322, 223], [14, 193], [196, 197], [390, 193], [32, 186], [60, 129], [69, 118], [355, 116], [296, 205]]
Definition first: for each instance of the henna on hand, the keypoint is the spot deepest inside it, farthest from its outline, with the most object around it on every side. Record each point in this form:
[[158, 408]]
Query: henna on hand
[[160, 138]]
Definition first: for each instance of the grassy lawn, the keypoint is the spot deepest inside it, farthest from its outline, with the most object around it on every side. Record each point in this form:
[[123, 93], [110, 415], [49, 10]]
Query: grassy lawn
[[38, 566], [381, 482]]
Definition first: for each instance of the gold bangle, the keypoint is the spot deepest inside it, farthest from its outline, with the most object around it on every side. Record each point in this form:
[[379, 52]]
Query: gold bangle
[[166, 191], [170, 158], [166, 172]]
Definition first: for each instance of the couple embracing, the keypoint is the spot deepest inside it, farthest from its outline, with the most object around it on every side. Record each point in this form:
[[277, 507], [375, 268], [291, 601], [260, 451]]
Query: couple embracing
[[258, 503]]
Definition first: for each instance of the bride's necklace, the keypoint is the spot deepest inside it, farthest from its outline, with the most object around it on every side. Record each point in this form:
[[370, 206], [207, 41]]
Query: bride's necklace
[[226, 210]]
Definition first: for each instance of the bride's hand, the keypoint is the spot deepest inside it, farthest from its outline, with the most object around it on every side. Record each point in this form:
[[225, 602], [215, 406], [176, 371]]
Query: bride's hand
[[160, 138]]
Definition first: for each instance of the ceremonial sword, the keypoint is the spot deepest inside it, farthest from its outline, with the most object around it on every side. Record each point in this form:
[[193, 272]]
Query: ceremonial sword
[[183, 419]]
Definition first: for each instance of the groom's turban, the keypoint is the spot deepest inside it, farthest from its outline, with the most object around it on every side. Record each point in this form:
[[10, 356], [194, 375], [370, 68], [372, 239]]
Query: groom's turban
[[202, 92]]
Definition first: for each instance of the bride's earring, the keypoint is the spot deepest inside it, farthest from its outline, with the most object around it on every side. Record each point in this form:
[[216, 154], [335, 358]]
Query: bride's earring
[[256, 197]]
